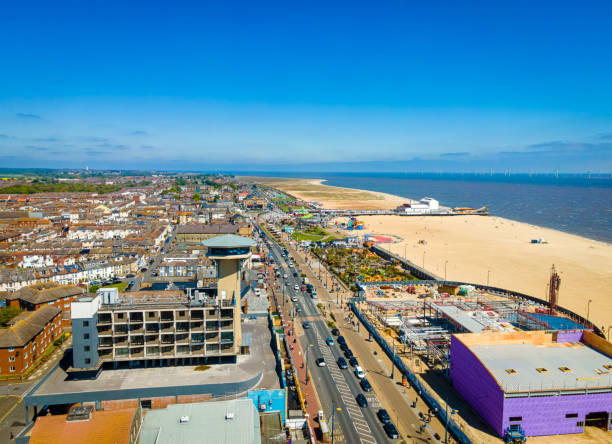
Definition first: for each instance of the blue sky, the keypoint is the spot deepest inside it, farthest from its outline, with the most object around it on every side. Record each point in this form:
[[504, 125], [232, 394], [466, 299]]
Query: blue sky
[[318, 85]]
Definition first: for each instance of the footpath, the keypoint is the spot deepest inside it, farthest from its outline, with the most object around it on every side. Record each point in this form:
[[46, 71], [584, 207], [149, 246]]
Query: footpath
[[402, 402], [311, 402]]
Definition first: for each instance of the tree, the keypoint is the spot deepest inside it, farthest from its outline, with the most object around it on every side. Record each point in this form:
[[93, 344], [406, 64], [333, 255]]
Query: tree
[[196, 196], [8, 313]]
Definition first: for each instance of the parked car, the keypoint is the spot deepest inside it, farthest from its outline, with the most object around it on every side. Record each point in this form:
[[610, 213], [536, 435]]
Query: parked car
[[298, 308], [359, 372], [341, 340], [342, 363], [321, 362], [306, 324], [329, 341], [348, 353], [295, 287], [343, 346], [391, 430], [353, 361], [383, 415], [335, 331], [303, 288], [365, 385], [361, 400], [131, 275]]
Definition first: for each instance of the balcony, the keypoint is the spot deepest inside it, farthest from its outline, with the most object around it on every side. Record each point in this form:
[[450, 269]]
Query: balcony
[[168, 327], [167, 339], [137, 340], [197, 350], [196, 326], [212, 349], [167, 351], [105, 330], [152, 328], [181, 338], [137, 352], [227, 349], [152, 340], [227, 314], [121, 341], [136, 328], [197, 315], [212, 313], [183, 350], [152, 351], [212, 337], [182, 326], [226, 325], [167, 316], [212, 326], [136, 317], [105, 342], [121, 329], [104, 318], [106, 353], [197, 338], [122, 353]]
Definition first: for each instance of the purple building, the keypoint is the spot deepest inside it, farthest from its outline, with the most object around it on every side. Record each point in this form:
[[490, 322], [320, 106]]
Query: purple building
[[549, 383]]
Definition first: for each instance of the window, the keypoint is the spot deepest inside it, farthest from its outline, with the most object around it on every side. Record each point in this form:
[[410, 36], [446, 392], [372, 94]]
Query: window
[[86, 336], [516, 418], [87, 361], [85, 323], [11, 349], [86, 348], [542, 370], [11, 358], [511, 371], [580, 424], [11, 368], [565, 369], [120, 315], [572, 415]]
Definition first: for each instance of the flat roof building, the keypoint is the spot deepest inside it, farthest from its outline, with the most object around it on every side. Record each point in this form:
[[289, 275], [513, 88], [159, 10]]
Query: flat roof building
[[233, 421], [544, 382]]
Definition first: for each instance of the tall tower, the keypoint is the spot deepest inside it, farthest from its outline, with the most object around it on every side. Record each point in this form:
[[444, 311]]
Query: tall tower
[[229, 252]]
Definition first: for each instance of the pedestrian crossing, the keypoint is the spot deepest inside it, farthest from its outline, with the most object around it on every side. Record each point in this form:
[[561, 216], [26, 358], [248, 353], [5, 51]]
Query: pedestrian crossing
[[348, 397]]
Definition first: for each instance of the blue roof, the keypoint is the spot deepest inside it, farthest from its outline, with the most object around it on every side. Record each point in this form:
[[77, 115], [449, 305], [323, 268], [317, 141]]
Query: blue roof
[[228, 241]]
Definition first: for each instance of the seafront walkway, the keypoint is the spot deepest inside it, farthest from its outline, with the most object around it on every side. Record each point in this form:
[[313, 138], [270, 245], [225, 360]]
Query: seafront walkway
[[398, 400]]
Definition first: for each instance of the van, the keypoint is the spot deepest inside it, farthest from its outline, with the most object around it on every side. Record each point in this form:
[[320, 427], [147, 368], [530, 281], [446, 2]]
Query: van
[[314, 294], [359, 372]]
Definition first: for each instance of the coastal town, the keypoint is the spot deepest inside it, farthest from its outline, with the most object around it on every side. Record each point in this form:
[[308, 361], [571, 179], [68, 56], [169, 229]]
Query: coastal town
[[139, 307]]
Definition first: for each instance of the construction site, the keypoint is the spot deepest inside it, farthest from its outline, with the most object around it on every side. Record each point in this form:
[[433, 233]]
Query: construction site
[[421, 319]]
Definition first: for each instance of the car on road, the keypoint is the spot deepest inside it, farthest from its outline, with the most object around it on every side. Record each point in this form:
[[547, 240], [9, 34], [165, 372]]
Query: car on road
[[144, 269], [321, 362], [365, 385], [306, 325], [342, 363], [131, 275], [330, 341], [383, 415], [295, 287], [294, 298], [290, 265], [154, 273], [391, 430], [287, 284], [362, 401], [303, 288], [359, 372], [295, 274], [335, 331], [353, 361], [298, 308]]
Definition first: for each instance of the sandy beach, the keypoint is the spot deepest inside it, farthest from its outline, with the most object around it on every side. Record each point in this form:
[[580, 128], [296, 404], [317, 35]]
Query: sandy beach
[[480, 248]]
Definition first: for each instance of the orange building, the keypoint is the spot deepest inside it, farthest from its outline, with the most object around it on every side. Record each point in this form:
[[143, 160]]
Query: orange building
[[84, 425], [27, 337], [34, 298]]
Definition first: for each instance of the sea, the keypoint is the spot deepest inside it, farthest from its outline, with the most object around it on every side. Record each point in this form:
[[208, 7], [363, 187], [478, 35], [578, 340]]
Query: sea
[[576, 204]]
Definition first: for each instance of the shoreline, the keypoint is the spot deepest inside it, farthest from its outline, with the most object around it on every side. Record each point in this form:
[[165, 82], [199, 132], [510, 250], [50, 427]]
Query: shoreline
[[479, 249]]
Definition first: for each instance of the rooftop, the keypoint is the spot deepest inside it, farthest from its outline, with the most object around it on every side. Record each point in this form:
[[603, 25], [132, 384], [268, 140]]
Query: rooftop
[[104, 427], [235, 420], [533, 361], [229, 241]]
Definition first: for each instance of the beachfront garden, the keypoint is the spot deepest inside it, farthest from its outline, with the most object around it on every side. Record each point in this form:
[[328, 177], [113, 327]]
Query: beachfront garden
[[314, 234], [359, 264]]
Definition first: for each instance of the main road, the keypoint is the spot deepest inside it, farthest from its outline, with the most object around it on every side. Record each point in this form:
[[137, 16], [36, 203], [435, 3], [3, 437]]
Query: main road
[[337, 389]]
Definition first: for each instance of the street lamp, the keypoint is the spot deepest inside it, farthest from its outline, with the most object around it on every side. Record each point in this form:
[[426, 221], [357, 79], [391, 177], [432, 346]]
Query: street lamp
[[334, 408], [445, 263], [424, 258], [393, 361], [488, 276], [588, 308], [609, 327]]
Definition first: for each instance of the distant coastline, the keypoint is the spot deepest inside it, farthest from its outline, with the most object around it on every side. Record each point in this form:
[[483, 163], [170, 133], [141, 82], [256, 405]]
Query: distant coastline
[[574, 204]]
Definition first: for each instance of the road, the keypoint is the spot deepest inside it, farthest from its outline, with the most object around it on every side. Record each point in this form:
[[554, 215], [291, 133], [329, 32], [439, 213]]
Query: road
[[336, 388], [146, 276]]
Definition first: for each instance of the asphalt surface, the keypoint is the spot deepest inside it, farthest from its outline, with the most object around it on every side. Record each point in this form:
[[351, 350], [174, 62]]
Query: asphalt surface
[[336, 388]]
